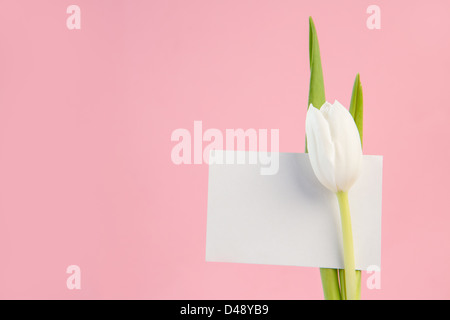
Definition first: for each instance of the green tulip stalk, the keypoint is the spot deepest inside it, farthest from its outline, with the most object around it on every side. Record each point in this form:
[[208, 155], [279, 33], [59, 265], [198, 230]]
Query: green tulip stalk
[[334, 143]]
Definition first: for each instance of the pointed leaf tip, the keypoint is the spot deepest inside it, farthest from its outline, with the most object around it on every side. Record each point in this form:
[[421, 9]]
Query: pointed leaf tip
[[316, 84], [316, 95], [356, 105]]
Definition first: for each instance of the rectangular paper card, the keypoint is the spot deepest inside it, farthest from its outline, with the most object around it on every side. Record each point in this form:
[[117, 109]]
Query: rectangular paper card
[[289, 218]]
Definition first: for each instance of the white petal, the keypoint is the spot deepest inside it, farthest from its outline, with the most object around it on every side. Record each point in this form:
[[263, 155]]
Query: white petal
[[347, 144], [320, 148]]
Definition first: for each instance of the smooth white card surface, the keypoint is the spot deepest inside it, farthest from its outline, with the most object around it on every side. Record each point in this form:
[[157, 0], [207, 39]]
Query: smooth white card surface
[[289, 218]]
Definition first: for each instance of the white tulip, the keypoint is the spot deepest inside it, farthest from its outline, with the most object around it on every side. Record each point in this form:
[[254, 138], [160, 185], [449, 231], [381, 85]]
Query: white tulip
[[335, 152], [334, 146]]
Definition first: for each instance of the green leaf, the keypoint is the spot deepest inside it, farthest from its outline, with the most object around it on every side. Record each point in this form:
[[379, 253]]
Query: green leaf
[[330, 284], [356, 110], [316, 84], [356, 106], [316, 95], [330, 281]]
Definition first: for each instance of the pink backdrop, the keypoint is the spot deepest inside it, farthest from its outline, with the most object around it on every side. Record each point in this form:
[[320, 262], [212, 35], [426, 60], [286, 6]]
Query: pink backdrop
[[86, 117]]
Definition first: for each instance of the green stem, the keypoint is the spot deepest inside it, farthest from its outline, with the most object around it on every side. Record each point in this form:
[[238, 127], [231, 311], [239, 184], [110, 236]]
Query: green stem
[[330, 284], [342, 284], [349, 257], [358, 284]]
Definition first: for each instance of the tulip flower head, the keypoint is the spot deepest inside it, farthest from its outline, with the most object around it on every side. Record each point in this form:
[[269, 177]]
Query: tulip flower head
[[334, 146]]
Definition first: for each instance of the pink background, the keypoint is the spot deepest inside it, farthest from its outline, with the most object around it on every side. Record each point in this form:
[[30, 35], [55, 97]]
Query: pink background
[[86, 117]]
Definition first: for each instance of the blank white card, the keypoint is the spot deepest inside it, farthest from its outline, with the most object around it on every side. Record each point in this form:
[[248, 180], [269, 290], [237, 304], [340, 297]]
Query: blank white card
[[289, 218]]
